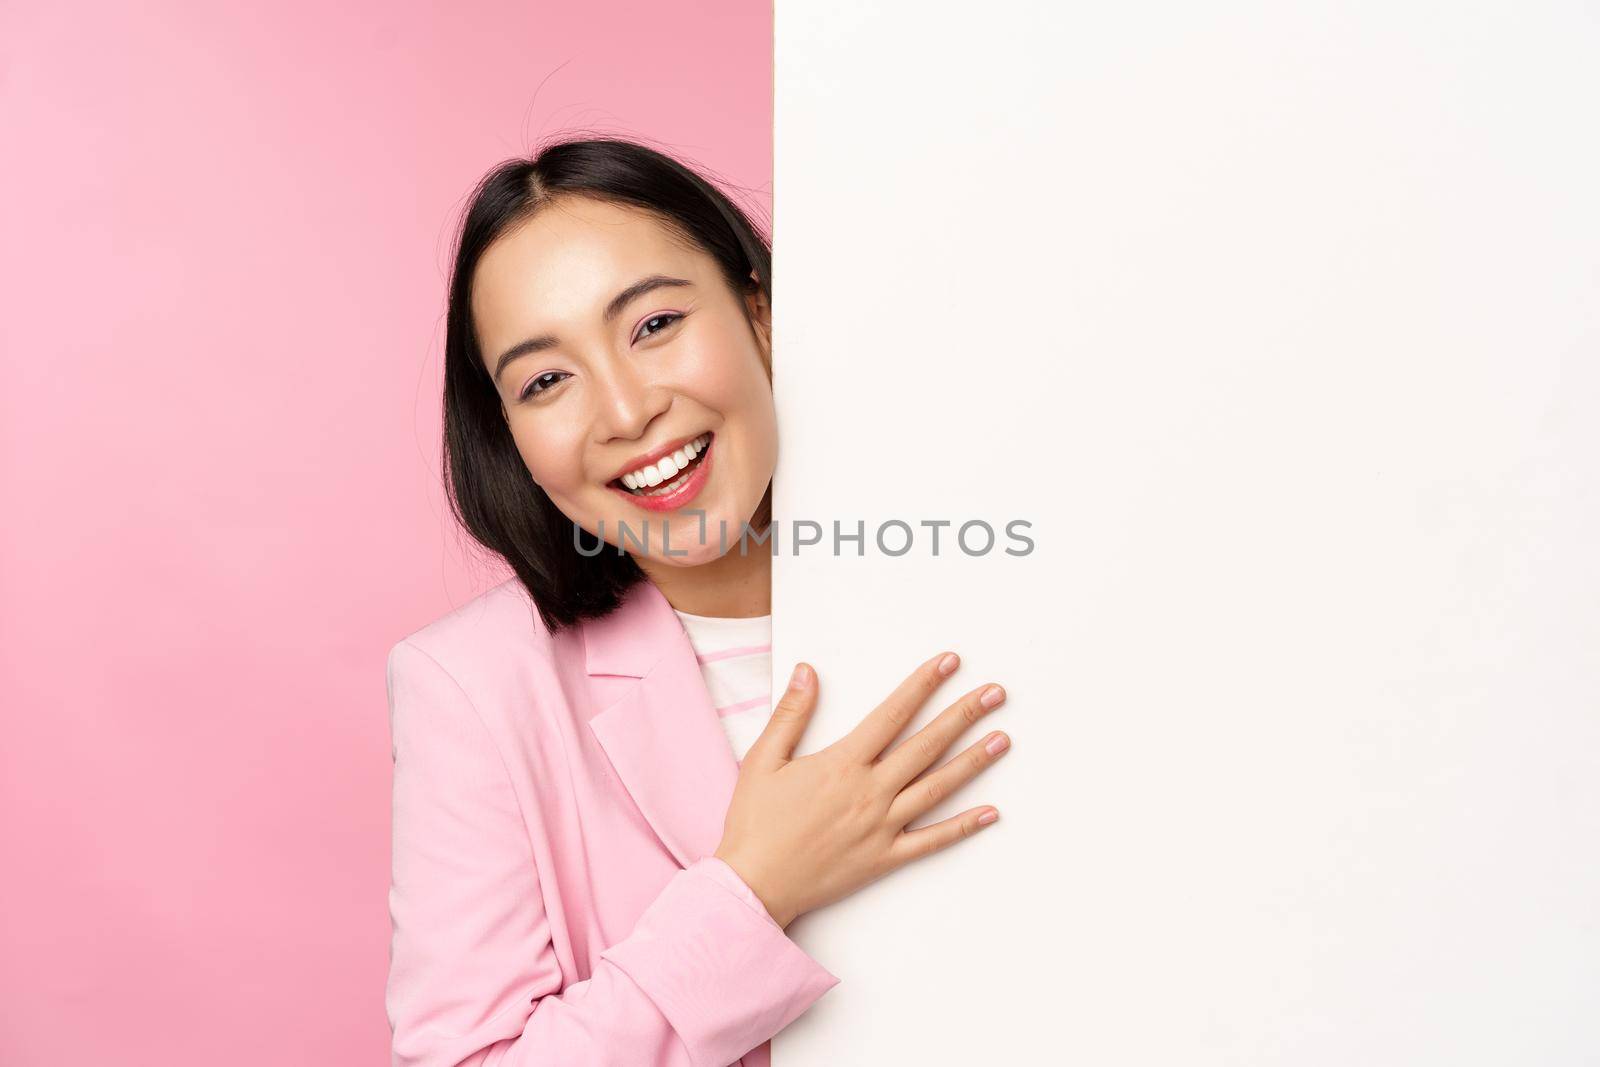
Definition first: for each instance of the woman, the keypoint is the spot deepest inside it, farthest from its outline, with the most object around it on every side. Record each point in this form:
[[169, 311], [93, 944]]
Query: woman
[[591, 865]]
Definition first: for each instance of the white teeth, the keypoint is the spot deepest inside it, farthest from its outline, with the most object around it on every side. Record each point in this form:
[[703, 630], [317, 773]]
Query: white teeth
[[666, 468]]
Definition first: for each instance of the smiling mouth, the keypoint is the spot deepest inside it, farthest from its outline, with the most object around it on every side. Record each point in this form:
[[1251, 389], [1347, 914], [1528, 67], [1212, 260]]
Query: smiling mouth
[[669, 473]]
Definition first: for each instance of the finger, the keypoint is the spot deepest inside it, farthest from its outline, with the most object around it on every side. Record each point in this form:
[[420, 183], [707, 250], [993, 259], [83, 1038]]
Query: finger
[[926, 840], [775, 746], [919, 751], [884, 723], [922, 795]]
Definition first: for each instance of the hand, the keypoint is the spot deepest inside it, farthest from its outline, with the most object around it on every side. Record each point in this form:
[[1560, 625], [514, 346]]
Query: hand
[[805, 832]]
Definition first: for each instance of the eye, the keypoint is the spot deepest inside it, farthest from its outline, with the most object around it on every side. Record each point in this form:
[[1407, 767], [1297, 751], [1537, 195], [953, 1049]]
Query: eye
[[660, 322], [542, 382]]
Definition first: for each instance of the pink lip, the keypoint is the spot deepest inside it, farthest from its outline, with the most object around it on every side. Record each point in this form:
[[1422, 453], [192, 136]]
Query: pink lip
[[683, 494]]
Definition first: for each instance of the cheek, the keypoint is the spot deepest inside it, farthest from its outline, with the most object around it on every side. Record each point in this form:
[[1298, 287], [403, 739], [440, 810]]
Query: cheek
[[759, 414], [554, 459], [732, 381]]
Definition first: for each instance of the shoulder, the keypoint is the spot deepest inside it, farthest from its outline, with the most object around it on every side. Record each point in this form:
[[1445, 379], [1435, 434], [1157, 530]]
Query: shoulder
[[487, 674], [495, 629]]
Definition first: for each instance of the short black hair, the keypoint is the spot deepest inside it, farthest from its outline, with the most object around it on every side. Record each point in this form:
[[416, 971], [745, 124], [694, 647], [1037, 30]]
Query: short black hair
[[487, 483]]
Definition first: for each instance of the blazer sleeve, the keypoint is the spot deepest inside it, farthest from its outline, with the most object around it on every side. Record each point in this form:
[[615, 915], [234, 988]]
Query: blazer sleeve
[[705, 975]]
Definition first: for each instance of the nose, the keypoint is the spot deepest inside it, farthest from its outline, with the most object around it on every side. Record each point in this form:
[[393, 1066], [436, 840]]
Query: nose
[[627, 403]]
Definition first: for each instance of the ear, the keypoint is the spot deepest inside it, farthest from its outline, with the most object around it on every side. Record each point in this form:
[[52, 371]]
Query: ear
[[760, 311]]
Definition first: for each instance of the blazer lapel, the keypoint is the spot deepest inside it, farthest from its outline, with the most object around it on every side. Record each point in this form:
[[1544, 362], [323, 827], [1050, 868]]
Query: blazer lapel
[[662, 735]]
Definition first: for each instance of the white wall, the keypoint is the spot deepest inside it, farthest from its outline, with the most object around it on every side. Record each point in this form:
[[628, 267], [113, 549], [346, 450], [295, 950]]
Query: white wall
[[1279, 323]]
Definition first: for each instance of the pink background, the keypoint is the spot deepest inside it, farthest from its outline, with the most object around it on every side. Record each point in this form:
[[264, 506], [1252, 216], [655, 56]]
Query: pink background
[[226, 236]]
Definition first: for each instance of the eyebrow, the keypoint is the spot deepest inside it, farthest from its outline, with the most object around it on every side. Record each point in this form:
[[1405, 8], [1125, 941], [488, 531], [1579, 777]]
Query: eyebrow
[[613, 309]]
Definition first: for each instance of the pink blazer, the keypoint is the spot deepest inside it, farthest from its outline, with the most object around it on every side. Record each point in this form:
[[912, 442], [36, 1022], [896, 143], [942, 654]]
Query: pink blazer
[[554, 898]]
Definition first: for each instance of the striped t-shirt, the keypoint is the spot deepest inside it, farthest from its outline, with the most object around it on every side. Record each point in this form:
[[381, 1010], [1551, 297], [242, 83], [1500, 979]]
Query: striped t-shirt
[[736, 661]]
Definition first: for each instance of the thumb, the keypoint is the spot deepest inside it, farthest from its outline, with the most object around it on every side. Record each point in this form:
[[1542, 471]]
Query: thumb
[[776, 744]]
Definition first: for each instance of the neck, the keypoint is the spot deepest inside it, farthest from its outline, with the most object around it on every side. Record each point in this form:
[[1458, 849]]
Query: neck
[[737, 585]]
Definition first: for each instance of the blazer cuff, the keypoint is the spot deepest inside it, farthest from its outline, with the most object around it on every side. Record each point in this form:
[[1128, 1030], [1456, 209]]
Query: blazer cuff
[[725, 876], [717, 965]]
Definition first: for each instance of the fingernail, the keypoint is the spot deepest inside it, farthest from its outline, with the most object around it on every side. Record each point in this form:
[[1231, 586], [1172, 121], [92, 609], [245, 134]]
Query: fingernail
[[997, 744], [988, 817], [801, 677], [992, 696], [947, 665]]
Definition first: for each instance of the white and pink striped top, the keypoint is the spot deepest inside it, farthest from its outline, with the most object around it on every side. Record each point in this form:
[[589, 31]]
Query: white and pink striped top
[[736, 661]]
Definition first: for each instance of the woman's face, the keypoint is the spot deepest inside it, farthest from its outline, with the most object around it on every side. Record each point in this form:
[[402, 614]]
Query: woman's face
[[629, 357]]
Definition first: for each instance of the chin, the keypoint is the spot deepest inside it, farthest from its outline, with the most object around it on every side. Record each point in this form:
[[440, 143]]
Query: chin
[[695, 556], [721, 535]]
